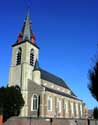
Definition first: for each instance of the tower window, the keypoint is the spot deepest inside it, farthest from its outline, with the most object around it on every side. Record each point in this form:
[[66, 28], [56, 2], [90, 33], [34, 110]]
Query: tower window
[[32, 57], [18, 58]]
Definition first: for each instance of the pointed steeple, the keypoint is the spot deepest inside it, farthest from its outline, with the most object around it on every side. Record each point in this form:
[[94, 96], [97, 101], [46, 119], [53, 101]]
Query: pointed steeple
[[27, 28], [26, 33]]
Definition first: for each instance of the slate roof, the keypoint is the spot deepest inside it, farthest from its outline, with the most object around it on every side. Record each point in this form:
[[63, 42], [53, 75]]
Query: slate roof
[[60, 93], [54, 79]]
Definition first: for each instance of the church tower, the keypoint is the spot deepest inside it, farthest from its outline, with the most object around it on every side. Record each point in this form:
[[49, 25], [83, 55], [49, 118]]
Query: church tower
[[24, 58]]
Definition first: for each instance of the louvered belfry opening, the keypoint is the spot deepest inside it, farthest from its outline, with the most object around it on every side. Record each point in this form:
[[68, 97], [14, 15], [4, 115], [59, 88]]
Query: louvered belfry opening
[[18, 60], [32, 57]]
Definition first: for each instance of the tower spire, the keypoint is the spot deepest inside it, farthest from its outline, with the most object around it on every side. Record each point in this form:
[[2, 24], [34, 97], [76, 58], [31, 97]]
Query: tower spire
[[26, 32], [27, 28], [28, 12]]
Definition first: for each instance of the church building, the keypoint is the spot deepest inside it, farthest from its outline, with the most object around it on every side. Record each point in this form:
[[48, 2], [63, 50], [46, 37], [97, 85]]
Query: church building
[[45, 94]]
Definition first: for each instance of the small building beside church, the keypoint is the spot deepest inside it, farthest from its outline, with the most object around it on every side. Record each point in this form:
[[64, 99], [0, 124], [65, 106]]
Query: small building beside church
[[45, 94]]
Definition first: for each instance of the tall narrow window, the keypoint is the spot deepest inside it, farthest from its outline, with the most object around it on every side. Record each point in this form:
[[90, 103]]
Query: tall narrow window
[[18, 58], [77, 111], [49, 103], [34, 100], [66, 106], [72, 108], [59, 106], [81, 110], [32, 57]]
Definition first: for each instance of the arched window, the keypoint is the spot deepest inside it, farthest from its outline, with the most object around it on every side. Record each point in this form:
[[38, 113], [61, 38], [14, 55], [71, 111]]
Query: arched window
[[18, 58], [49, 103], [34, 103], [32, 57]]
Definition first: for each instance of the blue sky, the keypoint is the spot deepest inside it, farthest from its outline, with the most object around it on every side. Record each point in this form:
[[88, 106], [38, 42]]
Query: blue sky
[[66, 32]]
